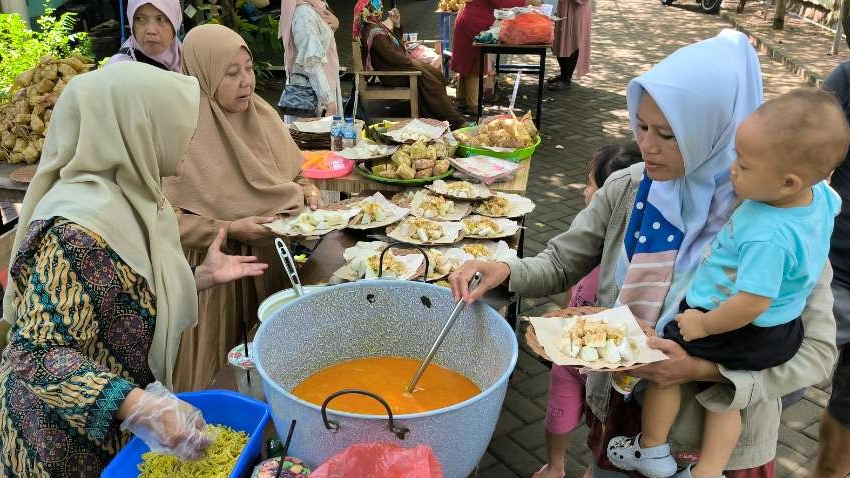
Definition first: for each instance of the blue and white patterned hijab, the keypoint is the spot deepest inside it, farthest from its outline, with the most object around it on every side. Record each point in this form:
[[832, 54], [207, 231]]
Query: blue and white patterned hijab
[[705, 91]]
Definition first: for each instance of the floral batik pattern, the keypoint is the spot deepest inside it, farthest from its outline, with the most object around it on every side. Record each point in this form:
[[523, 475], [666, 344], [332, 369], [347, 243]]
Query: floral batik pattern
[[79, 345]]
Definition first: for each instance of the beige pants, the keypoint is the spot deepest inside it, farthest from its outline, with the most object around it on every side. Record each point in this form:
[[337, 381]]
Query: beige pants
[[467, 85]]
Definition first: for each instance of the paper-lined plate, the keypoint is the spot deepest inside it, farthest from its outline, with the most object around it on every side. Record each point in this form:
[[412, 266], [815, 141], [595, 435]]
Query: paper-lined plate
[[368, 151], [442, 261], [437, 207], [546, 336], [505, 205], [462, 190], [482, 227], [487, 250], [421, 129], [421, 231], [313, 223], [363, 262], [376, 211]]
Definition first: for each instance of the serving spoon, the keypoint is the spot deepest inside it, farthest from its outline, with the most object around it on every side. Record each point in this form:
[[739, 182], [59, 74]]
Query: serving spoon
[[443, 333]]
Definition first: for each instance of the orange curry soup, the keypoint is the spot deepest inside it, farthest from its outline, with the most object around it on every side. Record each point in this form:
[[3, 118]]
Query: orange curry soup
[[388, 377]]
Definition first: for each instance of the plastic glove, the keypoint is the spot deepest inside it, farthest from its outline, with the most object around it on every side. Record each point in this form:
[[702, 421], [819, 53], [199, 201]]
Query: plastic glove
[[167, 424]]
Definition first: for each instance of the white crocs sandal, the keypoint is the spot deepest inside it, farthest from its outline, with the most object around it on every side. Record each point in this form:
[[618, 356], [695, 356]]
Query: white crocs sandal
[[653, 462]]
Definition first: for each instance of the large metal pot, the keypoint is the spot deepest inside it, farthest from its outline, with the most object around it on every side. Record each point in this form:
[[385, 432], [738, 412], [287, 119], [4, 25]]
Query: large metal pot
[[385, 318]]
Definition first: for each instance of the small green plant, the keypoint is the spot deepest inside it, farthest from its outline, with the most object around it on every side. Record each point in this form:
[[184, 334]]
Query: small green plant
[[21, 47]]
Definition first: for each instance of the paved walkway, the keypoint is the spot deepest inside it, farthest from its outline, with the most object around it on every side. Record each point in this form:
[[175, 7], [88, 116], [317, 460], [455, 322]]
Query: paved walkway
[[802, 46], [629, 36]]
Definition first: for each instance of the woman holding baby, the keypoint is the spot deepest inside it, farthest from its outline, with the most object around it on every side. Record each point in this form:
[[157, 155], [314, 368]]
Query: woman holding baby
[[650, 225]]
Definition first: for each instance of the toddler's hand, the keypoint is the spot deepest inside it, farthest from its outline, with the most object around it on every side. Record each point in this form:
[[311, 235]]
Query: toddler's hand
[[690, 325]]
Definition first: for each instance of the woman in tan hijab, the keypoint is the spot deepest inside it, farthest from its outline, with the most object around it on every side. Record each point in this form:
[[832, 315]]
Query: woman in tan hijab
[[99, 289], [238, 173]]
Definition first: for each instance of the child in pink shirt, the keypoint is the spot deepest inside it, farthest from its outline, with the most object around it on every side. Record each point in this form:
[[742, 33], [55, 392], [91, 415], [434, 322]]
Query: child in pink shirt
[[566, 384]]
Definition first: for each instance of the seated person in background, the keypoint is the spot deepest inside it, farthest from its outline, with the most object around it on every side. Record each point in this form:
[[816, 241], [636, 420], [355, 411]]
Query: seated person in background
[[743, 307], [382, 50]]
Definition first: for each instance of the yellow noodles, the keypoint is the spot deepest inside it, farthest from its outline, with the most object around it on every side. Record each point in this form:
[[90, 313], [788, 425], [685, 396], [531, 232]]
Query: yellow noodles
[[218, 461]]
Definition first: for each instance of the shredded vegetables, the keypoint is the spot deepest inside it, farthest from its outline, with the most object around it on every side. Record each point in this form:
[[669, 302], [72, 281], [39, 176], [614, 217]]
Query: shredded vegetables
[[218, 461]]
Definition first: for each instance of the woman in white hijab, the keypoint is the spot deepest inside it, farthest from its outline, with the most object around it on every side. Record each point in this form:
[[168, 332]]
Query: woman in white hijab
[[99, 288], [155, 24], [648, 226]]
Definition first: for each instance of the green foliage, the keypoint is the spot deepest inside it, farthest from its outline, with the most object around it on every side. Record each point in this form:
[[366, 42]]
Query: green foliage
[[260, 37], [21, 47]]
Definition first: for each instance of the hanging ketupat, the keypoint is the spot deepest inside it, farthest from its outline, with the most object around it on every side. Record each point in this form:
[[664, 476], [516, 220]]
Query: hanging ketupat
[[25, 118]]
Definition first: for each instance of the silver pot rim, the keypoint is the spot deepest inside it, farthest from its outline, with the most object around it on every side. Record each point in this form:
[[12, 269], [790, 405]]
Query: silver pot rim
[[439, 411]]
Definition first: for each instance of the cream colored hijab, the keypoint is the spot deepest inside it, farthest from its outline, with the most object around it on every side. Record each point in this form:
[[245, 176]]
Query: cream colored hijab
[[114, 133], [238, 164]]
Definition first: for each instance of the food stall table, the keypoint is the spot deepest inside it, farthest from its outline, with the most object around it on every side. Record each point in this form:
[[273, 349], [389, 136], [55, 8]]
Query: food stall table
[[355, 183], [498, 50]]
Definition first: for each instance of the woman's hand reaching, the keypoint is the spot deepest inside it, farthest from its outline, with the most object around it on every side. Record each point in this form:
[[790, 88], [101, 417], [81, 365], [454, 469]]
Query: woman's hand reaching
[[492, 274], [251, 231], [220, 268]]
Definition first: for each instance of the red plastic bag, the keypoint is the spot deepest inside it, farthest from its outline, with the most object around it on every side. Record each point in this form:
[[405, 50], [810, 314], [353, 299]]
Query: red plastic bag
[[527, 29], [381, 460]]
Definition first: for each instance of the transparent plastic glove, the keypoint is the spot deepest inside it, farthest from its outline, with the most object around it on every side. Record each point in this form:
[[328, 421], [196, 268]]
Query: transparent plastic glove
[[167, 424]]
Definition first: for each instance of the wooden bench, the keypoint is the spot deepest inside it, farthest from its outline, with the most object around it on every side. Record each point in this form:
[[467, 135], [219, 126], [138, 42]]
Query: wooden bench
[[370, 92]]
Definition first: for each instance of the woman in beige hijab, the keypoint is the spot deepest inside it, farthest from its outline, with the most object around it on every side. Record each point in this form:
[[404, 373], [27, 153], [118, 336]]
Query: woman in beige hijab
[[238, 173], [99, 289]]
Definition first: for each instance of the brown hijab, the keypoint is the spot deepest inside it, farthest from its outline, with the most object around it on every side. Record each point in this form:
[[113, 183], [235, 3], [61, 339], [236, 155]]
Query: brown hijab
[[238, 164]]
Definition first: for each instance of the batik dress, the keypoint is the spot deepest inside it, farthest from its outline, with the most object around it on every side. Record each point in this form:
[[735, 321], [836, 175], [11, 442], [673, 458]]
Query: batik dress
[[79, 345]]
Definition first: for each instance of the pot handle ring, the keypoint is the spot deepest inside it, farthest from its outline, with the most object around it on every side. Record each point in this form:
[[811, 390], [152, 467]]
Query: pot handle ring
[[406, 244], [400, 432]]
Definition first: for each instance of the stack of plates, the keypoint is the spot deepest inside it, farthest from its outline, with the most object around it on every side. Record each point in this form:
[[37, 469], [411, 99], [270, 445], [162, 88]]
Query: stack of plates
[[311, 141]]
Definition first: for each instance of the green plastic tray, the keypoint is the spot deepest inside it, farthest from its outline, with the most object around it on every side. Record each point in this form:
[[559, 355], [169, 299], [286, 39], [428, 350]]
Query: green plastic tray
[[361, 169], [515, 156]]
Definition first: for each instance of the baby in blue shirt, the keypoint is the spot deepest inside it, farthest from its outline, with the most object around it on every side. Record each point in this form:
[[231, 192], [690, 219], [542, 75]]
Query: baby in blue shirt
[[743, 308]]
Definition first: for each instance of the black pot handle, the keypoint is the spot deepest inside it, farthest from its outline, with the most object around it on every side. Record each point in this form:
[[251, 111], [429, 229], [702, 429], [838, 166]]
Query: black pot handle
[[394, 244], [399, 432]]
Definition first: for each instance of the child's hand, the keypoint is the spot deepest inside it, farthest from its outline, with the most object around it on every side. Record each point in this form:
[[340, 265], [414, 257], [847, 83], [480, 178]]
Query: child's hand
[[690, 325]]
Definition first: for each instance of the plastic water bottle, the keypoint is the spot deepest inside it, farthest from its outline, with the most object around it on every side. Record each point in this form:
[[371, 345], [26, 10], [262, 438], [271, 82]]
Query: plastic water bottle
[[336, 134], [349, 136]]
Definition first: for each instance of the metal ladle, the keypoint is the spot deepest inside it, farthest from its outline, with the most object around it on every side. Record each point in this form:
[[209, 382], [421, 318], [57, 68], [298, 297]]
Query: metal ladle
[[443, 333], [289, 266]]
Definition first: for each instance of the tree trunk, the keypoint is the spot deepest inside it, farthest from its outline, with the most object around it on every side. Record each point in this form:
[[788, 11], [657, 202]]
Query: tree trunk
[[228, 13], [779, 14]]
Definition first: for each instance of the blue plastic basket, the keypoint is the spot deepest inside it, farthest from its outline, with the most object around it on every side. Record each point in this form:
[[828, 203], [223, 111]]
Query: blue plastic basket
[[219, 407]]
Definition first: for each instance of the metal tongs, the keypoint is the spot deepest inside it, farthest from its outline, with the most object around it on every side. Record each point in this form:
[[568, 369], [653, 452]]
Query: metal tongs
[[443, 333], [289, 266]]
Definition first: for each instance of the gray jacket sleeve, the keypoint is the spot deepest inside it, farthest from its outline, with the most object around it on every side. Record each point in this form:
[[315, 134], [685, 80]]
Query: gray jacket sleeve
[[811, 365], [573, 254]]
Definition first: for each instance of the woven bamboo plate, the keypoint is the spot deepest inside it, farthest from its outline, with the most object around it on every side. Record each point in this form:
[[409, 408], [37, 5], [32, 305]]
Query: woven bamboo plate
[[24, 174], [531, 336]]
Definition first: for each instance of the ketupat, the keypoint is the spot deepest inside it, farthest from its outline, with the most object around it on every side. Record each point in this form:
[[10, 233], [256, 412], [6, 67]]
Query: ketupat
[[419, 160], [24, 120]]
